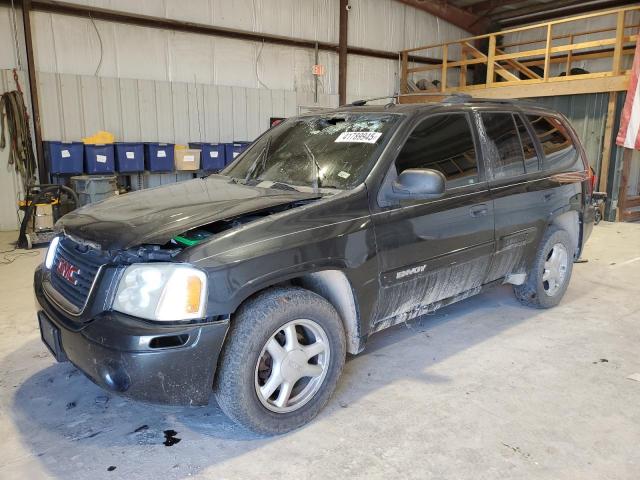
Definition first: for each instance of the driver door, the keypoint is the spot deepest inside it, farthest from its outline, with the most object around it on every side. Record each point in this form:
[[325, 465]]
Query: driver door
[[432, 250]]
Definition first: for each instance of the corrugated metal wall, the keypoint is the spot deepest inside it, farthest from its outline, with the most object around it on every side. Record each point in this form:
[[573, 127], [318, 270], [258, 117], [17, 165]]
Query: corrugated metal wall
[[149, 84]]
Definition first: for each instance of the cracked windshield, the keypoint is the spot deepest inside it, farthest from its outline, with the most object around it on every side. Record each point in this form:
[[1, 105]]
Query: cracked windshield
[[332, 151]]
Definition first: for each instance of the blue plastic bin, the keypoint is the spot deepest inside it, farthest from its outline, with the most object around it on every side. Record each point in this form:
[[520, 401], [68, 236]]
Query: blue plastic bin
[[64, 157], [99, 158], [212, 156], [232, 150], [158, 157], [129, 157]]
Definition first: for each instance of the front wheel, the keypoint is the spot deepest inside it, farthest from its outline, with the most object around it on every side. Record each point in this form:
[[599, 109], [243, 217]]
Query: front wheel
[[548, 279], [284, 353]]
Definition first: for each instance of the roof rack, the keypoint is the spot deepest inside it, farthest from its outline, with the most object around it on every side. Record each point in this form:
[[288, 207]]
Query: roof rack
[[360, 103]]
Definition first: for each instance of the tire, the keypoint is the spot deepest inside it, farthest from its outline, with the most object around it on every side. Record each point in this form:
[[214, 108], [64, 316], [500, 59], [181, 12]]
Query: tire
[[246, 365], [536, 291]]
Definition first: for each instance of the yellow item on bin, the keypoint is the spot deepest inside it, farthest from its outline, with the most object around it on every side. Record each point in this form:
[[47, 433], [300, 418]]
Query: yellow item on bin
[[181, 147], [99, 138]]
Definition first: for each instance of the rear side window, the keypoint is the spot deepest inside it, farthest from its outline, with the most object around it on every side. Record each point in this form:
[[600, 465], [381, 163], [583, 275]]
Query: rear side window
[[503, 143], [443, 143], [531, 162], [559, 151]]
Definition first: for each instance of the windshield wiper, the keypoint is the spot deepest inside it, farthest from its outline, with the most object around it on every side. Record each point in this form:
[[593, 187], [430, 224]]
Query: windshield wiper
[[317, 182], [262, 158]]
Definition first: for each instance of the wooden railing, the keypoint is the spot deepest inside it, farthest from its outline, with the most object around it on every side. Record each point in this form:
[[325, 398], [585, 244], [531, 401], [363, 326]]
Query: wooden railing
[[491, 62]]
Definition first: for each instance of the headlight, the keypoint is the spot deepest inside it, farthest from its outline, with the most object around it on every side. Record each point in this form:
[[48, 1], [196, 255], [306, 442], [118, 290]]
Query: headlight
[[51, 253], [162, 291]]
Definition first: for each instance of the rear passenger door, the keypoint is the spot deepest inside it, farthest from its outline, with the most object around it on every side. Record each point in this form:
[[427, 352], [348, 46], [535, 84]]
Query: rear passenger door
[[431, 250], [517, 187]]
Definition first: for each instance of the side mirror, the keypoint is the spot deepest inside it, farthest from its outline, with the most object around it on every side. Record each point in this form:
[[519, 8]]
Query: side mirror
[[418, 184]]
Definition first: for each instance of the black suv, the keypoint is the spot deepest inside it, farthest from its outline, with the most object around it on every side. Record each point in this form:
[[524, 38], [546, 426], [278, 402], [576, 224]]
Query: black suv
[[257, 281]]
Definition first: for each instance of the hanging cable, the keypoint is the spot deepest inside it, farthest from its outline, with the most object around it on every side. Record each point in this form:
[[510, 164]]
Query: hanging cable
[[101, 47], [14, 22], [257, 62]]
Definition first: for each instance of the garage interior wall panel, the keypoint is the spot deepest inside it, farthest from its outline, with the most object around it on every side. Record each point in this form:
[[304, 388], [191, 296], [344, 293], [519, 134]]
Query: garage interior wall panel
[[76, 106]]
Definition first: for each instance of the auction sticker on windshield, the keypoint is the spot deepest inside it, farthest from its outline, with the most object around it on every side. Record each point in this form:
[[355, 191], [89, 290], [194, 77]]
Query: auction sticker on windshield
[[359, 137]]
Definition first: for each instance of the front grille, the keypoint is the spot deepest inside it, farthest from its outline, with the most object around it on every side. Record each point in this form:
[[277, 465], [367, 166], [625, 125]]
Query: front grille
[[86, 260]]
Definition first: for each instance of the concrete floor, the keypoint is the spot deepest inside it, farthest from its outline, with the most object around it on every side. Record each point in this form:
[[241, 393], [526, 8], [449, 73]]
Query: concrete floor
[[483, 389]]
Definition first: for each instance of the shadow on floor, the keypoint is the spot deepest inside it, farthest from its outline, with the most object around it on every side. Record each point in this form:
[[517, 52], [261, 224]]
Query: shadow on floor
[[75, 427]]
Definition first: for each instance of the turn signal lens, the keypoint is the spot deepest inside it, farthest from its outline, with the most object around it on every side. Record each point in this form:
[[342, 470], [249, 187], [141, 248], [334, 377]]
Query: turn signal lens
[[194, 292]]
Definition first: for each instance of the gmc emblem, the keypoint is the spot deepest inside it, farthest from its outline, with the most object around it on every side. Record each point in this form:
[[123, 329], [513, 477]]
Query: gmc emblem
[[67, 271]]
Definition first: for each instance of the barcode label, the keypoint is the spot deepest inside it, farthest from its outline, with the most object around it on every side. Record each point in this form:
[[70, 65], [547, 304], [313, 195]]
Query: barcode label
[[358, 137], [131, 155], [162, 154], [65, 153], [188, 158], [213, 154], [101, 158]]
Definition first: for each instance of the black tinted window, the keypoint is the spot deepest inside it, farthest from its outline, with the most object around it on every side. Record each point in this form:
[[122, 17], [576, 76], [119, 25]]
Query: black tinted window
[[443, 143], [559, 150], [528, 147], [503, 143]]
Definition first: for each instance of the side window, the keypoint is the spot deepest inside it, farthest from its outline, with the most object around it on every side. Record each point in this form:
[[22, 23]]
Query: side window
[[503, 142], [531, 163], [443, 143], [559, 150]]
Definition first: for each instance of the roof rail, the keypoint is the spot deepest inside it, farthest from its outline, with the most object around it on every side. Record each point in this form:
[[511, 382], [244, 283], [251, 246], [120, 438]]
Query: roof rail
[[360, 103]]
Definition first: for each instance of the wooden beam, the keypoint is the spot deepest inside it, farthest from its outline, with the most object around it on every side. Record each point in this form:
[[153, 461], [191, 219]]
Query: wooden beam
[[490, 60], [43, 174], [617, 50], [534, 88], [456, 16], [342, 52], [624, 181], [608, 141]]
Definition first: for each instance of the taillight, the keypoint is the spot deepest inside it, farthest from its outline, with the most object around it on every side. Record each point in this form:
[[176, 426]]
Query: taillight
[[593, 180]]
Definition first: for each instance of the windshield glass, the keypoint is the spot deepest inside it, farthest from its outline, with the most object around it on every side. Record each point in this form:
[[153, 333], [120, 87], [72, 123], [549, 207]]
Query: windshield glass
[[320, 151]]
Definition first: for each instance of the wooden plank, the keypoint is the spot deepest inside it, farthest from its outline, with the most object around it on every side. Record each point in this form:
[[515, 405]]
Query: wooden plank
[[547, 48], [520, 67], [607, 142], [567, 68], [617, 51], [534, 88], [443, 75], [507, 75], [523, 54], [462, 81], [491, 59], [404, 85], [624, 180]]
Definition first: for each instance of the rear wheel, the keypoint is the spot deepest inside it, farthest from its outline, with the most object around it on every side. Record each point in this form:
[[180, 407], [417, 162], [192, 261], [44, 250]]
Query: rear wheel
[[550, 273], [284, 353]]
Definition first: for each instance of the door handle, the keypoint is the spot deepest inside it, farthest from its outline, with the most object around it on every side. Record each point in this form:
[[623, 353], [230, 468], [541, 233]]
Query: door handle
[[478, 210], [548, 196]]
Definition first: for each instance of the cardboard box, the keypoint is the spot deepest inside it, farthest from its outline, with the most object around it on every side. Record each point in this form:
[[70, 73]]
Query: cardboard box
[[187, 159]]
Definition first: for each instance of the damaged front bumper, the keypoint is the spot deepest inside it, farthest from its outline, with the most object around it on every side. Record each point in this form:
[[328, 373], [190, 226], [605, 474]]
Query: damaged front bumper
[[168, 364]]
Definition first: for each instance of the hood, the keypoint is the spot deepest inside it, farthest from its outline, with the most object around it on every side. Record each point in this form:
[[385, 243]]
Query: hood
[[156, 215]]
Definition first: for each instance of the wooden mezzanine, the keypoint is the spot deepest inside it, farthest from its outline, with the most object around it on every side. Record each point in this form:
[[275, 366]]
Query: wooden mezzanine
[[490, 66]]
